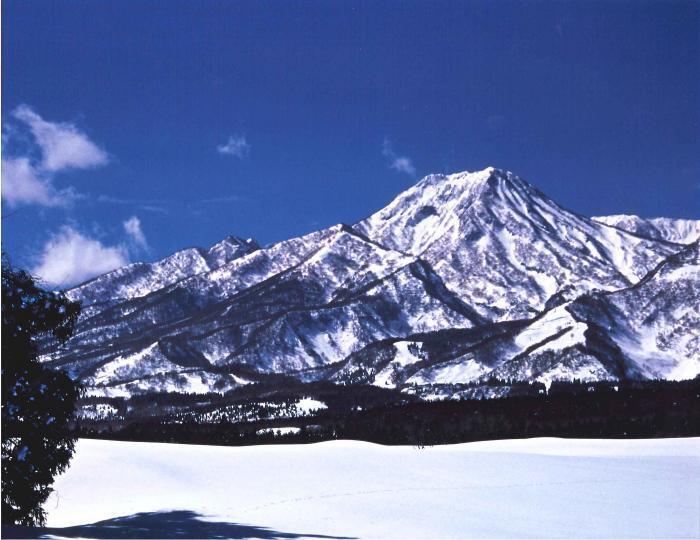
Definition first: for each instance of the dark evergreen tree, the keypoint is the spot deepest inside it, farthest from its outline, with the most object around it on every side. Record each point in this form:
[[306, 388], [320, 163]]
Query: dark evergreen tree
[[37, 403]]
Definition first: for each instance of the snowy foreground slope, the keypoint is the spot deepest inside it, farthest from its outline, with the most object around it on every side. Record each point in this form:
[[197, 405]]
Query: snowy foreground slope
[[504, 489]]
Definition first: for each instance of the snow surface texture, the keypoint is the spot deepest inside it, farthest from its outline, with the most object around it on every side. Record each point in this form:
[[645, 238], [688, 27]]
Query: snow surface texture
[[465, 251], [539, 488]]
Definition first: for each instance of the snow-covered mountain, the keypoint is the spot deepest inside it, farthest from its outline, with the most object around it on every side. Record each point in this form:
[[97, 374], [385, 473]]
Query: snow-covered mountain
[[500, 242], [681, 231], [650, 330], [476, 260], [139, 279]]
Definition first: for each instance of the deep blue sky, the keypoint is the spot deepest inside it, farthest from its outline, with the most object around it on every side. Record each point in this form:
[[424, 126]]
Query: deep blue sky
[[598, 104]]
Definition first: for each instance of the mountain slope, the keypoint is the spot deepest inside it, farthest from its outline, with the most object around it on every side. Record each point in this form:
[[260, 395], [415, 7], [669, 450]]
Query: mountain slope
[[346, 293], [649, 330], [470, 260], [139, 279], [681, 231], [497, 240]]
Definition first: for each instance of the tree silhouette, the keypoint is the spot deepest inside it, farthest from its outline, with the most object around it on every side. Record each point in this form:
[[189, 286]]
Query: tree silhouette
[[37, 403]]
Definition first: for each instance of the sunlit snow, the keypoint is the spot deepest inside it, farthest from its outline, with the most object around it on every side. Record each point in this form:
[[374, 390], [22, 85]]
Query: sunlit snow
[[500, 489]]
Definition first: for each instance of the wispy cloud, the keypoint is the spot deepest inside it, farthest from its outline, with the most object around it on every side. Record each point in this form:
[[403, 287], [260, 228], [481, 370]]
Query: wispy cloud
[[219, 200], [165, 206], [149, 205], [132, 227], [61, 146], [155, 209], [399, 163], [235, 146], [70, 257], [404, 164], [23, 184]]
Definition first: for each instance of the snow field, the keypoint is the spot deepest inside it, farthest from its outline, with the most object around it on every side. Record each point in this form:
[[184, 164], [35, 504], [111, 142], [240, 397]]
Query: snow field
[[499, 489]]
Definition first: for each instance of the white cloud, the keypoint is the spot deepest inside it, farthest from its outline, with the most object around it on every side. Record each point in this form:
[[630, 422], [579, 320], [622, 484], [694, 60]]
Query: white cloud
[[236, 146], [62, 145], [402, 164], [23, 184], [132, 227], [70, 257]]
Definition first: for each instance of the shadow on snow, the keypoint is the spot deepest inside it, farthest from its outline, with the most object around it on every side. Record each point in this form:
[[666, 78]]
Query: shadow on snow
[[168, 524]]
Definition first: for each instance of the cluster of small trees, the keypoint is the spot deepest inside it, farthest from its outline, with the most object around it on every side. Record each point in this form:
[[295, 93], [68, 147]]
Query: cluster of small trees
[[576, 409]]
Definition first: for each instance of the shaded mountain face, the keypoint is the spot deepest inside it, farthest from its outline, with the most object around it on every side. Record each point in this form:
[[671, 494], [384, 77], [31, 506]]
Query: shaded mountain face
[[477, 257]]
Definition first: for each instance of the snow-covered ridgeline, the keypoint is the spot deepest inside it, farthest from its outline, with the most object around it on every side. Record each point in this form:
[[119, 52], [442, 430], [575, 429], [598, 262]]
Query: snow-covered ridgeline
[[139, 279], [681, 231], [468, 250]]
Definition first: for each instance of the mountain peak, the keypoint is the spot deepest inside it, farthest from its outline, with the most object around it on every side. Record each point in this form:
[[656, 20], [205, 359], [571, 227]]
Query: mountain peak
[[470, 185], [439, 203], [231, 239], [228, 249], [480, 174], [462, 177]]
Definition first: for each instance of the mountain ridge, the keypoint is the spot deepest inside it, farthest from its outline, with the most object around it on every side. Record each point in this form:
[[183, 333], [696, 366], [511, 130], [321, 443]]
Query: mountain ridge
[[452, 253]]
